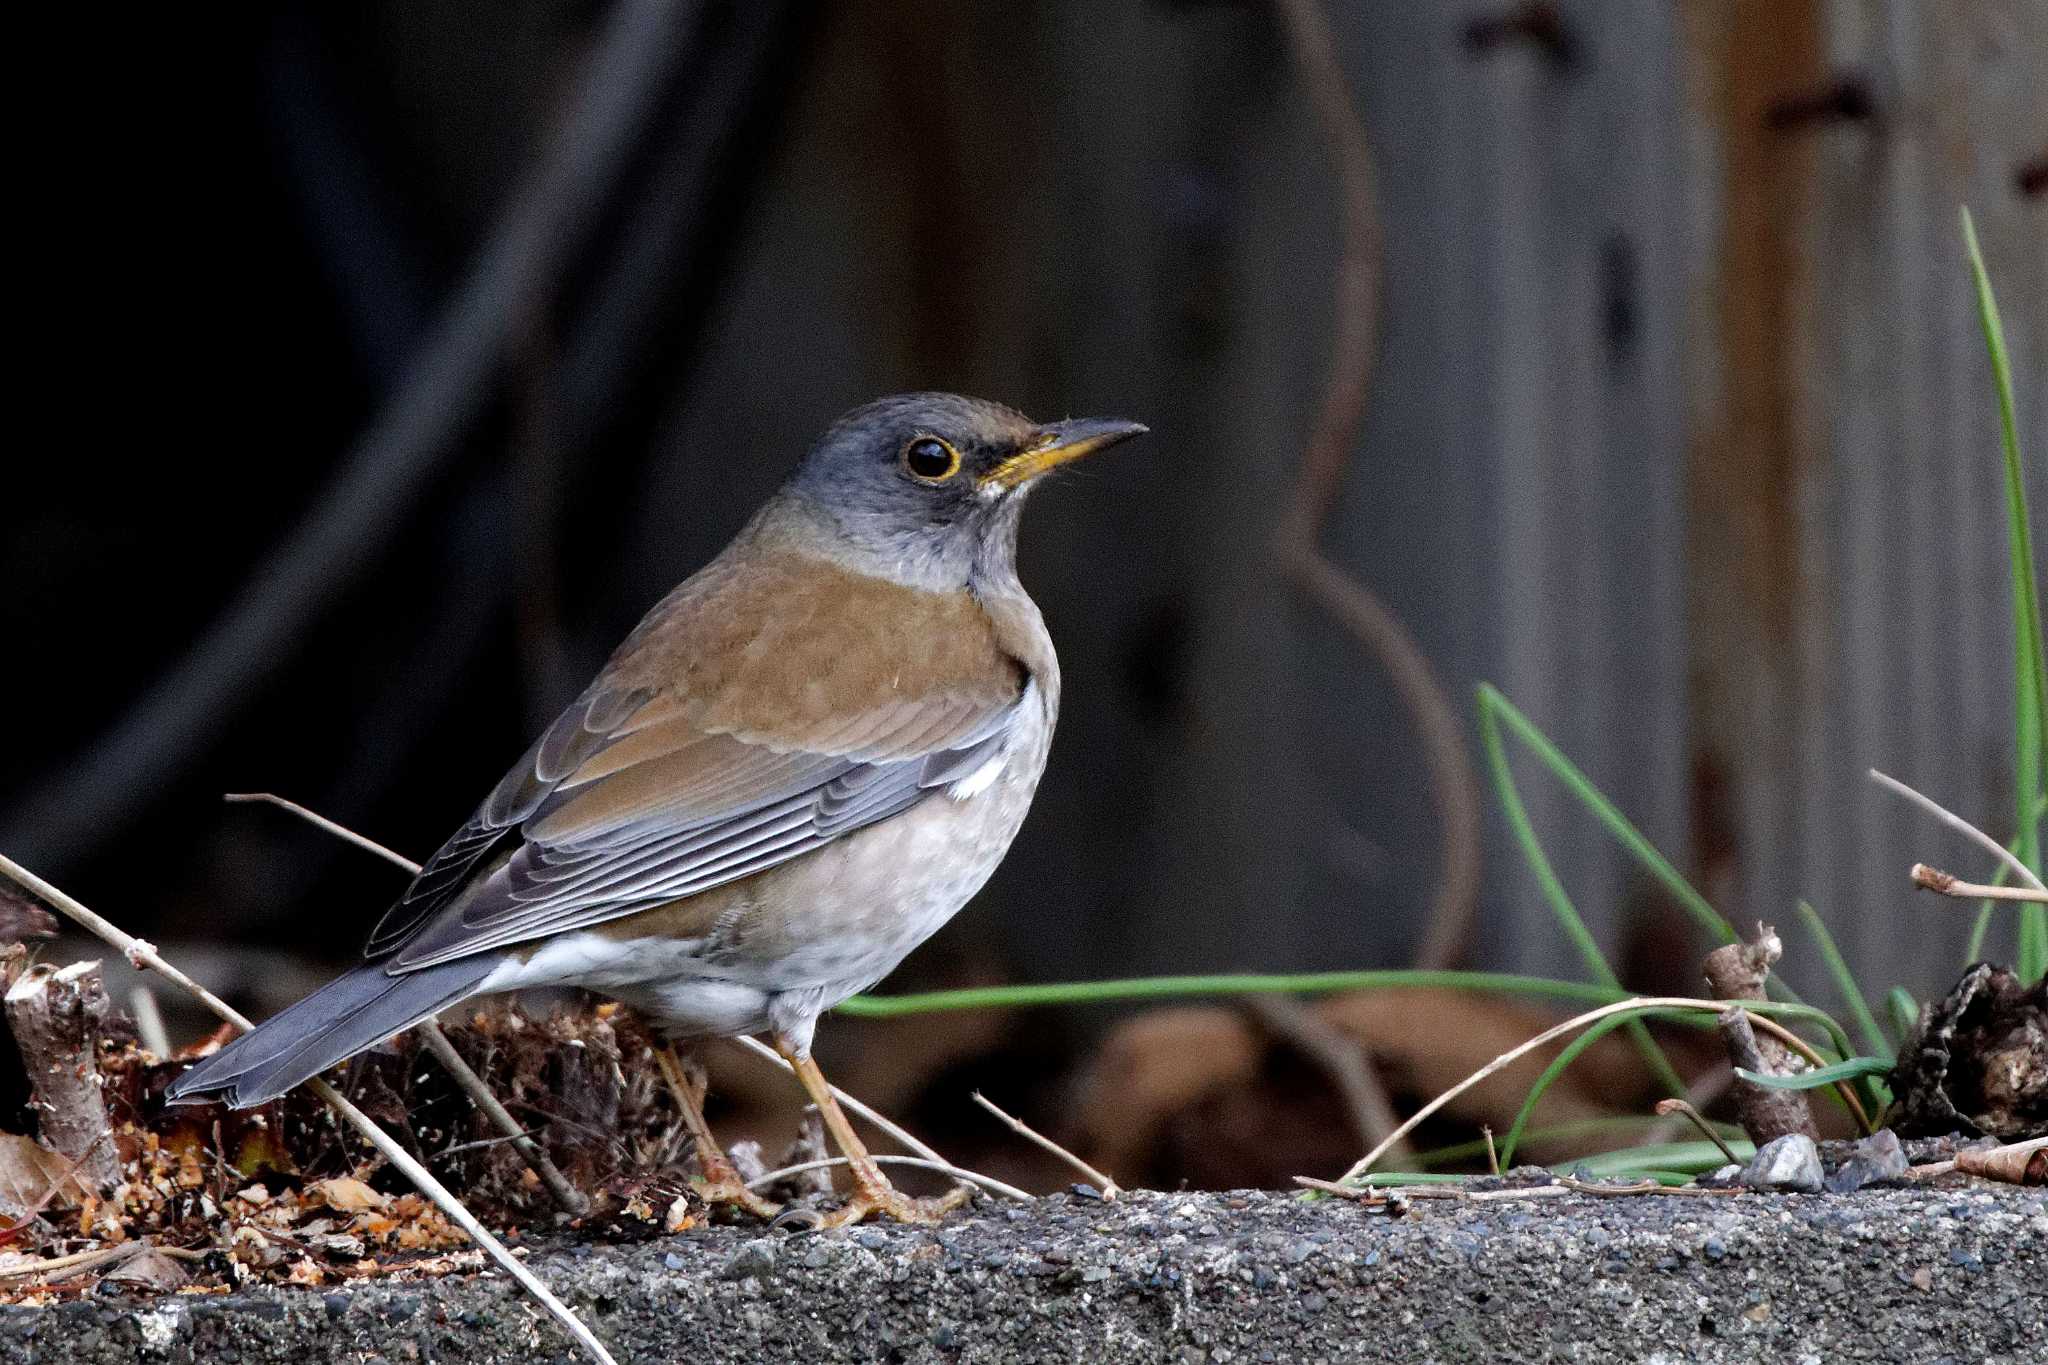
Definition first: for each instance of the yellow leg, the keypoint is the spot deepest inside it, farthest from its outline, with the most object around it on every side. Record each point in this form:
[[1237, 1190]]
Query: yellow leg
[[872, 1192], [718, 1182]]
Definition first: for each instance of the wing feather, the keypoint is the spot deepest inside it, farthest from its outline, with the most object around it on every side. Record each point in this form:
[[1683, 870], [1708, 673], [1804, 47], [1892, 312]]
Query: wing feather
[[705, 753]]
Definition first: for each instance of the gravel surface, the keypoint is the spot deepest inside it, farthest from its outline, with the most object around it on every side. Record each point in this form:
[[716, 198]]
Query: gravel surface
[[1955, 1274]]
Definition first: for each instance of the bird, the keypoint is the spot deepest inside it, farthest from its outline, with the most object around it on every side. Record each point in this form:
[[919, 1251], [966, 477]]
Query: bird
[[801, 763]]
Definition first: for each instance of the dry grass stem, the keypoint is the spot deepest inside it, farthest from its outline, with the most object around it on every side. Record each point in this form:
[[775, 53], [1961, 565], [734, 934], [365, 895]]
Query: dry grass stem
[[866, 1111], [1962, 827], [1577, 1186], [987, 1182], [313, 817], [1635, 1004], [144, 955], [1492, 1152], [1684, 1109], [1360, 1194], [1703, 1092], [1102, 1182], [1948, 884]]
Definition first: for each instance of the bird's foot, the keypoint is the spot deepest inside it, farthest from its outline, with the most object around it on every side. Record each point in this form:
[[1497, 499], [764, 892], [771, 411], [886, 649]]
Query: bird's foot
[[720, 1187], [883, 1198]]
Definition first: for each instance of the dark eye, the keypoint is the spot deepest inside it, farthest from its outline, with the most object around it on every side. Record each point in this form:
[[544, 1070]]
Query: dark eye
[[931, 459]]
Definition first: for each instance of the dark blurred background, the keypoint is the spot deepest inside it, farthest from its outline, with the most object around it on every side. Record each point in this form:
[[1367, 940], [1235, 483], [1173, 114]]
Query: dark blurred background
[[399, 355]]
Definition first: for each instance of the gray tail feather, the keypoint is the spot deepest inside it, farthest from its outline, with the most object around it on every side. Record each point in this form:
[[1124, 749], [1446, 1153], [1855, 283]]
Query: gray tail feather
[[332, 1024]]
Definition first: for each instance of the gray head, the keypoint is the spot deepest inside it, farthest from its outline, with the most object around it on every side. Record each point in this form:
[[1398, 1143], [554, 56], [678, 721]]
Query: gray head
[[925, 487]]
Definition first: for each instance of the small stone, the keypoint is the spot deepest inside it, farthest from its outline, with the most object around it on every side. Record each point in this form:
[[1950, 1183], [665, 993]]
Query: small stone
[[672, 1261], [1877, 1157], [754, 1259], [1791, 1162], [1085, 1192]]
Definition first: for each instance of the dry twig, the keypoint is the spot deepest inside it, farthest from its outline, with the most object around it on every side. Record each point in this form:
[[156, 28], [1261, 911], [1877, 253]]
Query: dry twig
[[1107, 1186], [1948, 884], [1737, 972], [144, 955]]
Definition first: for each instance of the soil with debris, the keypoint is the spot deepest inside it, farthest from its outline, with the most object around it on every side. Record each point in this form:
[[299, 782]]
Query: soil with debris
[[1954, 1273]]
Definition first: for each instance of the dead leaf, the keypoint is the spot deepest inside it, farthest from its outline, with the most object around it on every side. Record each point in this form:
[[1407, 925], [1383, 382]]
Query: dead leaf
[[348, 1194], [150, 1269], [2018, 1163], [32, 1177]]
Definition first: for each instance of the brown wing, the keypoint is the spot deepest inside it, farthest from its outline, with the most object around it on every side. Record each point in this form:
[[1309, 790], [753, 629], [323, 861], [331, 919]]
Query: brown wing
[[711, 749]]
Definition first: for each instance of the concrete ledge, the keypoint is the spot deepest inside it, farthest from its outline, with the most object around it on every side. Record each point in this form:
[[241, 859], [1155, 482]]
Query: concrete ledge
[[1956, 1274]]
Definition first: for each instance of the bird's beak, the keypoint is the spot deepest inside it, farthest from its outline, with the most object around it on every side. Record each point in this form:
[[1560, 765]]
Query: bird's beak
[[1056, 444]]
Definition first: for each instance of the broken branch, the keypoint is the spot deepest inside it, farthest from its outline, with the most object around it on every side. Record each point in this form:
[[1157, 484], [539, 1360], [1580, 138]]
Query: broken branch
[[56, 1014]]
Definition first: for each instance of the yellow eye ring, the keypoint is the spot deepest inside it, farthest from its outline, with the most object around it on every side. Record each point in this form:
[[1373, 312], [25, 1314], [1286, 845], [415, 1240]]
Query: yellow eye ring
[[930, 460]]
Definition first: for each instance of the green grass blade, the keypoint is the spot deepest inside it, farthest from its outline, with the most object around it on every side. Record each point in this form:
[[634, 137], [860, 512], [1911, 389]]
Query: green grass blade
[[1845, 981], [1186, 987], [1854, 1069], [1618, 1126], [1494, 703], [1688, 1157], [1565, 1057], [1493, 706], [2030, 665]]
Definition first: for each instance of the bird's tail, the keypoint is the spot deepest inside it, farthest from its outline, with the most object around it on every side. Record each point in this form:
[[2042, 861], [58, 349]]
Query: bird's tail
[[332, 1024]]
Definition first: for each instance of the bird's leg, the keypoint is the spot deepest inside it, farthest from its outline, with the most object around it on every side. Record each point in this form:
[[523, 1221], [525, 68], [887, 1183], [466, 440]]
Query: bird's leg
[[718, 1182], [872, 1192]]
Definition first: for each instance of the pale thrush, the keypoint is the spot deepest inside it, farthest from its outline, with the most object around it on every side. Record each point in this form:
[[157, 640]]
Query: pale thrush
[[798, 766]]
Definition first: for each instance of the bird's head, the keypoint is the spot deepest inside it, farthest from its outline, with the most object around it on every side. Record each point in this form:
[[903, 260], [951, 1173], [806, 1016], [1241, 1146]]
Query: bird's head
[[925, 487]]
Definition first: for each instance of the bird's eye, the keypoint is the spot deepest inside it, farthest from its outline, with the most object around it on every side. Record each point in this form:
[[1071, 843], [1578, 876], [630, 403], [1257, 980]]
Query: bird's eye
[[930, 459]]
